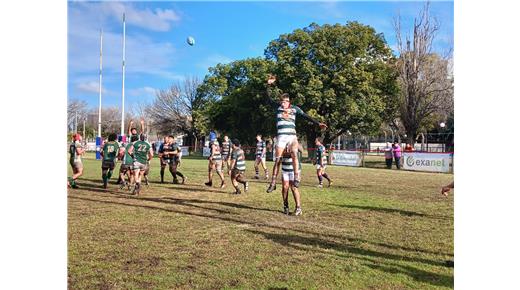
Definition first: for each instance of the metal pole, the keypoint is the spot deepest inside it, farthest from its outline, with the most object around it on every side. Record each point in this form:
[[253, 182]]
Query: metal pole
[[123, 89], [100, 81], [84, 119], [76, 123]]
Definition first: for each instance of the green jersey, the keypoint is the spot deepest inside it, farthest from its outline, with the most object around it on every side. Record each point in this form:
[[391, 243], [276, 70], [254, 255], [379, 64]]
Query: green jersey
[[128, 159], [110, 150], [74, 156], [141, 150]]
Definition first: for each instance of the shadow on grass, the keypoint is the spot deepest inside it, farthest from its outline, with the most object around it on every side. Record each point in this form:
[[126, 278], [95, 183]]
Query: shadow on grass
[[349, 251], [187, 202], [391, 210]]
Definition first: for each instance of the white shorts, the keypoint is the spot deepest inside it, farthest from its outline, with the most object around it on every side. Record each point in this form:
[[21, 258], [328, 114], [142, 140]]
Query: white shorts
[[320, 166], [283, 140], [288, 175]]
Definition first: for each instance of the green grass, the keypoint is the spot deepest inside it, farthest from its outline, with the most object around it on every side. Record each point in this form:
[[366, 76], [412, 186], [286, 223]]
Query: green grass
[[373, 229]]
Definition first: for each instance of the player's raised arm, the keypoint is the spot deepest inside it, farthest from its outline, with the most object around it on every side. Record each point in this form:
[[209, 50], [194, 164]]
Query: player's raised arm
[[142, 126], [271, 91], [130, 128]]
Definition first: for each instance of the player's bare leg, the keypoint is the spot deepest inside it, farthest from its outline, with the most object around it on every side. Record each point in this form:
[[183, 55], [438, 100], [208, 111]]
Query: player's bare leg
[[276, 168]]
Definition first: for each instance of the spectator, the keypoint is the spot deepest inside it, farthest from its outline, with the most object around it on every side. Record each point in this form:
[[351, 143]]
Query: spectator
[[396, 149], [389, 156], [408, 148]]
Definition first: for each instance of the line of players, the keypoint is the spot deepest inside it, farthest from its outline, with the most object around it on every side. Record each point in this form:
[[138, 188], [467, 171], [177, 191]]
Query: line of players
[[286, 155]]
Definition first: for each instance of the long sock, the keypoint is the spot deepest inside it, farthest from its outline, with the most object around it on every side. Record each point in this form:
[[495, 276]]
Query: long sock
[[326, 176], [256, 170], [179, 174], [162, 174], [320, 178], [109, 174], [104, 176]]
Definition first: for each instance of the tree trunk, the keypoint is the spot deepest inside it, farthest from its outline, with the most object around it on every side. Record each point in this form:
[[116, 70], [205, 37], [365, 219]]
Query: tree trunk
[[311, 136]]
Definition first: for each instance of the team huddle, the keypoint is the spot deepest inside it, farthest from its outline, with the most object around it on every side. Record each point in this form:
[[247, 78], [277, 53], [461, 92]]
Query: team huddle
[[136, 154]]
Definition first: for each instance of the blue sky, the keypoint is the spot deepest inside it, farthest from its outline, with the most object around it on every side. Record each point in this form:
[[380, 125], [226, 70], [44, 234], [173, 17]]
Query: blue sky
[[157, 53]]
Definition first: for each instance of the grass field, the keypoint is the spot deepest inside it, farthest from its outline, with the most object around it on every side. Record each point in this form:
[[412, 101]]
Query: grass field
[[374, 229]]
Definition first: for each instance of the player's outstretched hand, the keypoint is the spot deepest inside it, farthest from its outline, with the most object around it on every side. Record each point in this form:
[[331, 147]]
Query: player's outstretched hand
[[271, 79]]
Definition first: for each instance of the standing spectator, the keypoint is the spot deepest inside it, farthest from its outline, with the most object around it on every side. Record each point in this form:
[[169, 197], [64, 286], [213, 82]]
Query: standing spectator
[[389, 155], [408, 148], [397, 154]]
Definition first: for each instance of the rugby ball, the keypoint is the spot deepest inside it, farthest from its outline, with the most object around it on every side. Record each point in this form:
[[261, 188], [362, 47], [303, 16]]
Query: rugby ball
[[190, 40]]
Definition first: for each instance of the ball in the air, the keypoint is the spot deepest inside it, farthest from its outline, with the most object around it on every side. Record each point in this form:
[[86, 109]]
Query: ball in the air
[[190, 40]]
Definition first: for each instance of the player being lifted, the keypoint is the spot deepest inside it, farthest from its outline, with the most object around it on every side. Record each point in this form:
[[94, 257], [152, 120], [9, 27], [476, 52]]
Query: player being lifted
[[109, 153], [321, 162], [286, 132], [142, 153], [76, 151], [260, 156], [288, 181], [226, 153], [215, 163], [238, 167]]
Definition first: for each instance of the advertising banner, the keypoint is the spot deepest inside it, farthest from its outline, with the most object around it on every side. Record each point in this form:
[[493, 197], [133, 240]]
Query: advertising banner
[[431, 162], [346, 158]]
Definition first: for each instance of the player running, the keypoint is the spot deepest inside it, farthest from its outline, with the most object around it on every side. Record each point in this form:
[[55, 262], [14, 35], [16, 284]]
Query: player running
[[321, 163], [109, 154], [215, 163], [142, 152], [286, 135], [76, 151], [238, 165], [288, 182], [260, 156]]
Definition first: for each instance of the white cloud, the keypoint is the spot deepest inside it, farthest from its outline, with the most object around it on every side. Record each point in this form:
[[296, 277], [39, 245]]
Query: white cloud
[[143, 55], [144, 91], [90, 87], [157, 19]]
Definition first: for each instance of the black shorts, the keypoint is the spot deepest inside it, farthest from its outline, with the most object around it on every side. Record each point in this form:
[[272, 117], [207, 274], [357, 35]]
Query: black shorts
[[126, 167], [235, 173], [108, 164]]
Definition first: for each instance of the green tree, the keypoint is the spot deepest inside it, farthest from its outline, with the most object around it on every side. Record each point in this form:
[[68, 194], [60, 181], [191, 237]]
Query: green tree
[[240, 108], [339, 74]]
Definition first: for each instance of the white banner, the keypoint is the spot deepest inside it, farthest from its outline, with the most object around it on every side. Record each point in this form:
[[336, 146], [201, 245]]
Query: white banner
[[346, 158], [206, 152], [432, 162], [185, 151]]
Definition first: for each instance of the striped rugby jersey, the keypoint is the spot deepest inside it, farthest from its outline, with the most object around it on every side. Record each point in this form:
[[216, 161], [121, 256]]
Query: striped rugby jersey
[[260, 148], [238, 155], [215, 151], [287, 165], [226, 148], [321, 155], [286, 119]]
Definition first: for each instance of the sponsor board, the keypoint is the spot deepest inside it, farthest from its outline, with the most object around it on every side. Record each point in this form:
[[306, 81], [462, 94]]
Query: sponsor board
[[346, 158], [185, 151], [431, 162]]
